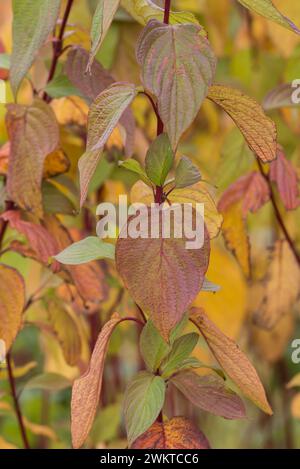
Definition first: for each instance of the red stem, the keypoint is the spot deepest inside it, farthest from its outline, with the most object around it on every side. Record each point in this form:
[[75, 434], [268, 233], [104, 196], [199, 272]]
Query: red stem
[[16, 402], [167, 11], [57, 46], [277, 213]]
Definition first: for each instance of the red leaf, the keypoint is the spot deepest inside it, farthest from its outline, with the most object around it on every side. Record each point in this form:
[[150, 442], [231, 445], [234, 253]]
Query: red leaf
[[283, 173], [251, 189]]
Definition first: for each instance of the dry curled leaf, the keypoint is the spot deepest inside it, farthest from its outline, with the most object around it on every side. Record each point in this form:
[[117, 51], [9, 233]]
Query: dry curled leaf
[[233, 361], [12, 302], [259, 130], [177, 433], [86, 389]]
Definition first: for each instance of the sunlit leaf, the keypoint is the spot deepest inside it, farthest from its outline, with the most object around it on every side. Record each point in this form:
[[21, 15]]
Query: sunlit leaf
[[258, 129], [143, 401], [135, 167], [12, 302], [178, 66]]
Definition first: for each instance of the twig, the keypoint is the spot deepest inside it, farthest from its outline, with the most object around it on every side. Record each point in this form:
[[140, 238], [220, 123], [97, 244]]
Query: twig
[[277, 213], [57, 47], [16, 402]]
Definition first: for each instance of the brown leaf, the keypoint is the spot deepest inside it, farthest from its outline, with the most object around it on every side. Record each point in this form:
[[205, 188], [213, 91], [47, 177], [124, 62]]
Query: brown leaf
[[210, 394], [235, 235], [282, 286], [66, 330], [233, 361], [12, 302], [258, 129], [177, 433], [283, 173], [145, 263], [33, 133], [252, 190], [40, 241], [86, 389]]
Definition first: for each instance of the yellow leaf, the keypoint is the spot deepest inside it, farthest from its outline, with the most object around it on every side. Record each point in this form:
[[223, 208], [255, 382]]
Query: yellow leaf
[[12, 302], [295, 381], [6, 445], [41, 430], [86, 389], [66, 331], [295, 406], [18, 371], [227, 307], [259, 130], [281, 286], [234, 232], [56, 163], [70, 110], [198, 193], [233, 361], [145, 10]]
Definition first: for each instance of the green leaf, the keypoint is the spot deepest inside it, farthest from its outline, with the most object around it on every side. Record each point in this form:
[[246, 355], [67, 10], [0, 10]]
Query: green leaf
[[267, 9], [159, 159], [153, 347], [181, 350], [32, 24], [102, 20], [145, 10], [86, 250], [48, 382], [143, 401], [54, 201], [186, 173], [106, 424], [5, 61], [178, 65], [135, 167], [179, 328], [60, 87], [104, 115]]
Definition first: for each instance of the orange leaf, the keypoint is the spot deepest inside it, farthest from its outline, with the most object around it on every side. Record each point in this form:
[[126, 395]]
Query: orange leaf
[[259, 130], [177, 433], [87, 388], [232, 360], [12, 302]]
